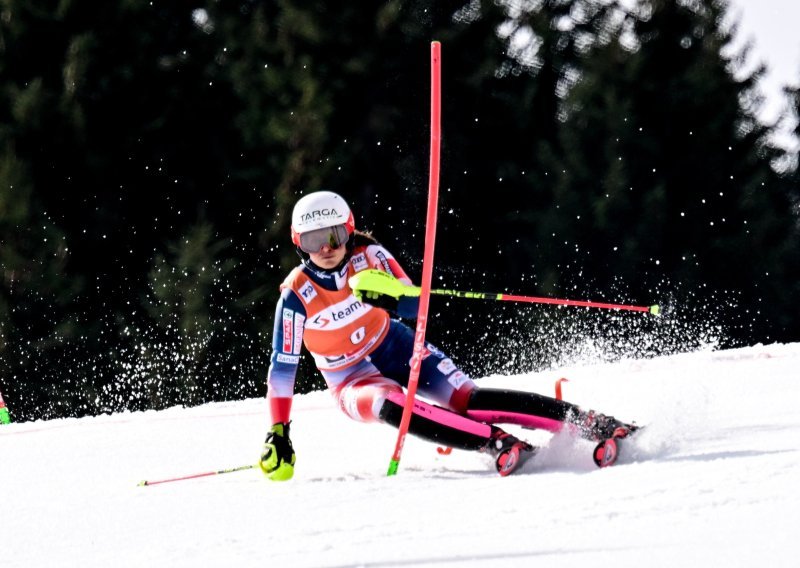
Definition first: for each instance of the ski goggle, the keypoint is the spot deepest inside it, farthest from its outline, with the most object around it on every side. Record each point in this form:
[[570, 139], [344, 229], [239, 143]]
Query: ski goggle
[[333, 237]]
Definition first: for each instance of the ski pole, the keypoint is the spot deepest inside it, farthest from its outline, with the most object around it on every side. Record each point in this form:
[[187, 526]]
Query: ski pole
[[196, 475], [654, 309]]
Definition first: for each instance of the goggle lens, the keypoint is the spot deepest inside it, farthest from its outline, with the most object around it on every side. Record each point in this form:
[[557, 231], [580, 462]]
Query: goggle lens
[[333, 237]]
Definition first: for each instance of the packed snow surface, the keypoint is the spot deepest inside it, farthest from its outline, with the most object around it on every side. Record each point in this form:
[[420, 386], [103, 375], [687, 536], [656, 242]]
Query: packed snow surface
[[713, 480]]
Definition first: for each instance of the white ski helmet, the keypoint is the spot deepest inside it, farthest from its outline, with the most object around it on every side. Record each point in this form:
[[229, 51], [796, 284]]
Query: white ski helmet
[[320, 218]]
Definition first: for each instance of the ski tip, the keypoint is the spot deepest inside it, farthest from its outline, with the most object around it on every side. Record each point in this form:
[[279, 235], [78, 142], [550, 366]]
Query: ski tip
[[142, 483], [392, 468], [655, 309]]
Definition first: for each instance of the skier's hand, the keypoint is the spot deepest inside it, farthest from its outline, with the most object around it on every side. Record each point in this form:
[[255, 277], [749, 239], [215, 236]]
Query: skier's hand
[[383, 290], [371, 284], [277, 456]]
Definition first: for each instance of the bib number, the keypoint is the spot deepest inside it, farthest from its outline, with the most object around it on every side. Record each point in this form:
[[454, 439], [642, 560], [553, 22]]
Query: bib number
[[358, 336]]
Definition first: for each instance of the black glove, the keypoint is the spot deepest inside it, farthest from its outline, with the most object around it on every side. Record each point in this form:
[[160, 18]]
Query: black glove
[[278, 457]]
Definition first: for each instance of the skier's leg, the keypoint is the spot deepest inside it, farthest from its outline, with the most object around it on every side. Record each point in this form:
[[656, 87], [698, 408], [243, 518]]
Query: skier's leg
[[532, 410], [366, 393], [447, 427], [378, 399], [438, 424], [361, 399], [527, 409], [371, 397], [441, 381]]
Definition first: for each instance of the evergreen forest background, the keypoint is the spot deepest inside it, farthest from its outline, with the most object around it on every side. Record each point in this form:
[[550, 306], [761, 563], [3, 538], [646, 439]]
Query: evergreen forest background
[[151, 151]]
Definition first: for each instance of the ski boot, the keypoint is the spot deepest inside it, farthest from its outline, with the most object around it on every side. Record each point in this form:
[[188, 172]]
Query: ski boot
[[509, 451], [597, 427]]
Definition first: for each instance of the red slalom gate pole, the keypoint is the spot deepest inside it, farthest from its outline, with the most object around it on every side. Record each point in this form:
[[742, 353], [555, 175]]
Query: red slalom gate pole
[[427, 259]]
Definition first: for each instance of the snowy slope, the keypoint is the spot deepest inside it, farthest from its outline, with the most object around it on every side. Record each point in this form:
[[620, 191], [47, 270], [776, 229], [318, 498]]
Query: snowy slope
[[714, 479]]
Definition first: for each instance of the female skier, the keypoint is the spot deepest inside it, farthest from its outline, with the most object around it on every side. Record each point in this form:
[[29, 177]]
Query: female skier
[[330, 304]]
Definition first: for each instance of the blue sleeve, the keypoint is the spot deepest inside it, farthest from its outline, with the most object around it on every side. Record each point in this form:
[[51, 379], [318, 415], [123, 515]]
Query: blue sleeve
[[408, 307], [287, 340]]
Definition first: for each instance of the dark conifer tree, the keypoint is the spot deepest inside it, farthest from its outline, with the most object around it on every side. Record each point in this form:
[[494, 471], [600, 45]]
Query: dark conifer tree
[[665, 178]]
